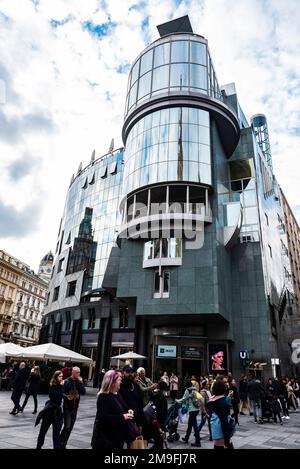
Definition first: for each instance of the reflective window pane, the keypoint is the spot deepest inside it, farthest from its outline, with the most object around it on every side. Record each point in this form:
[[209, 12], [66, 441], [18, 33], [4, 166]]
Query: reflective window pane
[[174, 115], [146, 62], [132, 96], [179, 75], [194, 171], [173, 133], [166, 279], [162, 54], [173, 151], [193, 133], [205, 173], [204, 154], [160, 78], [180, 51], [203, 117], [144, 85], [203, 134], [135, 72], [193, 151], [198, 78], [198, 53]]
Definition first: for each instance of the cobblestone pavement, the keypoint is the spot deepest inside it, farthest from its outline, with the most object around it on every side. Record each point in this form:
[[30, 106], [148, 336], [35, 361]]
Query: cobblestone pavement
[[18, 432]]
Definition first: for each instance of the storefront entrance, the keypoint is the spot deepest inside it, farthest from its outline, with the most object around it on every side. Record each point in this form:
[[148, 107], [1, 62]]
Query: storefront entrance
[[190, 367]]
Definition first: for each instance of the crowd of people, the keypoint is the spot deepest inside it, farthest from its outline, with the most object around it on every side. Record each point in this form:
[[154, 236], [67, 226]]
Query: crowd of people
[[131, 407]]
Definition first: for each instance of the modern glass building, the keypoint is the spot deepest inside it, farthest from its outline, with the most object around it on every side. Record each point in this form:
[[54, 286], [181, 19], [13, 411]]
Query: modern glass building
[[171, 247]]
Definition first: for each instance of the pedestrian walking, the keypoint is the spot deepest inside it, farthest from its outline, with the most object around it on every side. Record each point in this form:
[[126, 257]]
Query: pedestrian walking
[[243, 393], [276, 409], [205, 416], [73, 389], [256, 393], [19, 385], [33, 388], [160, 402], [111, 429], [145, 384], [173, 386], [189, 399], [132, 395], [221, 422], [52, 412]]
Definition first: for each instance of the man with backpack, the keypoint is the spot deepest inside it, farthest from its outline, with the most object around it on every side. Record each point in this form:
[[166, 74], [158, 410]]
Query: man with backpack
[[193, 403]]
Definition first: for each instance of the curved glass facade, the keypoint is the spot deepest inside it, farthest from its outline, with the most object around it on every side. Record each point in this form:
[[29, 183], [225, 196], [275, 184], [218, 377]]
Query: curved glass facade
[[172, 144], [90, 218], [177, 63]]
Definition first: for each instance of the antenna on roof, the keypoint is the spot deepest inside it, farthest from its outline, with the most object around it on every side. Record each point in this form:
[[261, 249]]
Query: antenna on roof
[[111, 146], [93, 156]]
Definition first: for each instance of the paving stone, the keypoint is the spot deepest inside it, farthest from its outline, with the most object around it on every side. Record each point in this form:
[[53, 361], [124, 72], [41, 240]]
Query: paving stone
[[18, 432]]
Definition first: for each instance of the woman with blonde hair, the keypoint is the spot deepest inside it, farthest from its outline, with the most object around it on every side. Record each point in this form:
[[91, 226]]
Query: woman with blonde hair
[[111, 428]]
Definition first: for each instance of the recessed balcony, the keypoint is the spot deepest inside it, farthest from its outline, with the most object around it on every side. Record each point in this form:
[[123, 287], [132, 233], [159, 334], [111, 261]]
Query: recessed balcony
[[162, 211]]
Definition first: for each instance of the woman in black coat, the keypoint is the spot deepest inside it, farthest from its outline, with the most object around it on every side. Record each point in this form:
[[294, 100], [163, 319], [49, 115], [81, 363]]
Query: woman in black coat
[[51, 414], [33, 388], [111, 429]]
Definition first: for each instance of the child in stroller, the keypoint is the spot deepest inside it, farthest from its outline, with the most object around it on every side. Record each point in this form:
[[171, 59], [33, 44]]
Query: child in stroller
[[172, 422]]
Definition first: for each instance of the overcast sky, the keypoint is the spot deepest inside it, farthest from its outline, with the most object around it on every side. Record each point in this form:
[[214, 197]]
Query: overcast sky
[[63, 78]]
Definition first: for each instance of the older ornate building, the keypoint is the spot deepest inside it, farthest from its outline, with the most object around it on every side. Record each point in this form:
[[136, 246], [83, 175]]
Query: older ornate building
[[22, 299]]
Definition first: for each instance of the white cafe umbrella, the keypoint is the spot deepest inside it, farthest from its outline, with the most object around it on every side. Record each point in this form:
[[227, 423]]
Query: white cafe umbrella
[[129, 355], [9, 349], [52, 351]]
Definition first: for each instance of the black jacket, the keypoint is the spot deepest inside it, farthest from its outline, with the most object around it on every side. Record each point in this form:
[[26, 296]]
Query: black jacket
[[243, 389], [110, 428], [132, 395], [222, 409], [72, 387], [255, 390], [52, 410], [34, 383], [161, 404], [21, 379]]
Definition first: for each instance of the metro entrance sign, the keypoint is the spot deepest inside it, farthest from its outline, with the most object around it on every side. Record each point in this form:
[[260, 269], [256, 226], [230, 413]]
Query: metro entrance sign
[[243, 354]]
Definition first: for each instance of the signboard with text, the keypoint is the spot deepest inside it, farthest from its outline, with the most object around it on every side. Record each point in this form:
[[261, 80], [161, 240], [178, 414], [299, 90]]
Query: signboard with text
[[188, 351], [166, 351]]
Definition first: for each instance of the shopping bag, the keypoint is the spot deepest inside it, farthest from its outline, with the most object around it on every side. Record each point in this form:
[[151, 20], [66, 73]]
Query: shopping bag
[[139, 443], [182, 416]]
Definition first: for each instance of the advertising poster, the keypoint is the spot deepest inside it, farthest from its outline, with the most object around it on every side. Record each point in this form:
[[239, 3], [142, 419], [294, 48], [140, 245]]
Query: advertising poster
[[217, 355]]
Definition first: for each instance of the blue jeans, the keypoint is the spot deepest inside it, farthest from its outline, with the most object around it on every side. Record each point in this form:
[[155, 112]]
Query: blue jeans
[[202, 423], [257, 409]]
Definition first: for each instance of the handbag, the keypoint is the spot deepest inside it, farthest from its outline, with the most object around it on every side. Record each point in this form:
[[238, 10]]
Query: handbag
[[139, 443], [149, 412], [133, 430]]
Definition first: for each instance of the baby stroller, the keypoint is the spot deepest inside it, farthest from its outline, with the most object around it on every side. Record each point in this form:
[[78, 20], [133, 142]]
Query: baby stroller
[[266, 407], [172, 422]]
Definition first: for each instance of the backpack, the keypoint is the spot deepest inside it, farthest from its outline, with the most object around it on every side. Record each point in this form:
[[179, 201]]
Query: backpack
[[216, 428], [196, 399]]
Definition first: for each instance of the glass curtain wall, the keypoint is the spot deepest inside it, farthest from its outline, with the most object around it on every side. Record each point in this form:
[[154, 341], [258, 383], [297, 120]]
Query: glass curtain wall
[[179, 64], [172, 144]]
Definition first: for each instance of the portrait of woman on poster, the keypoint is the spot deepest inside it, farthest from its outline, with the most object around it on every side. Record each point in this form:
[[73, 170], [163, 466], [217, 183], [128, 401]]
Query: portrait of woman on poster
[[217, 361]]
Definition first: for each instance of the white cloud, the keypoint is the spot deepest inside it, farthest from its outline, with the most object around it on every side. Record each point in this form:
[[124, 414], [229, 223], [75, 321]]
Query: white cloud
[[66, 73]]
